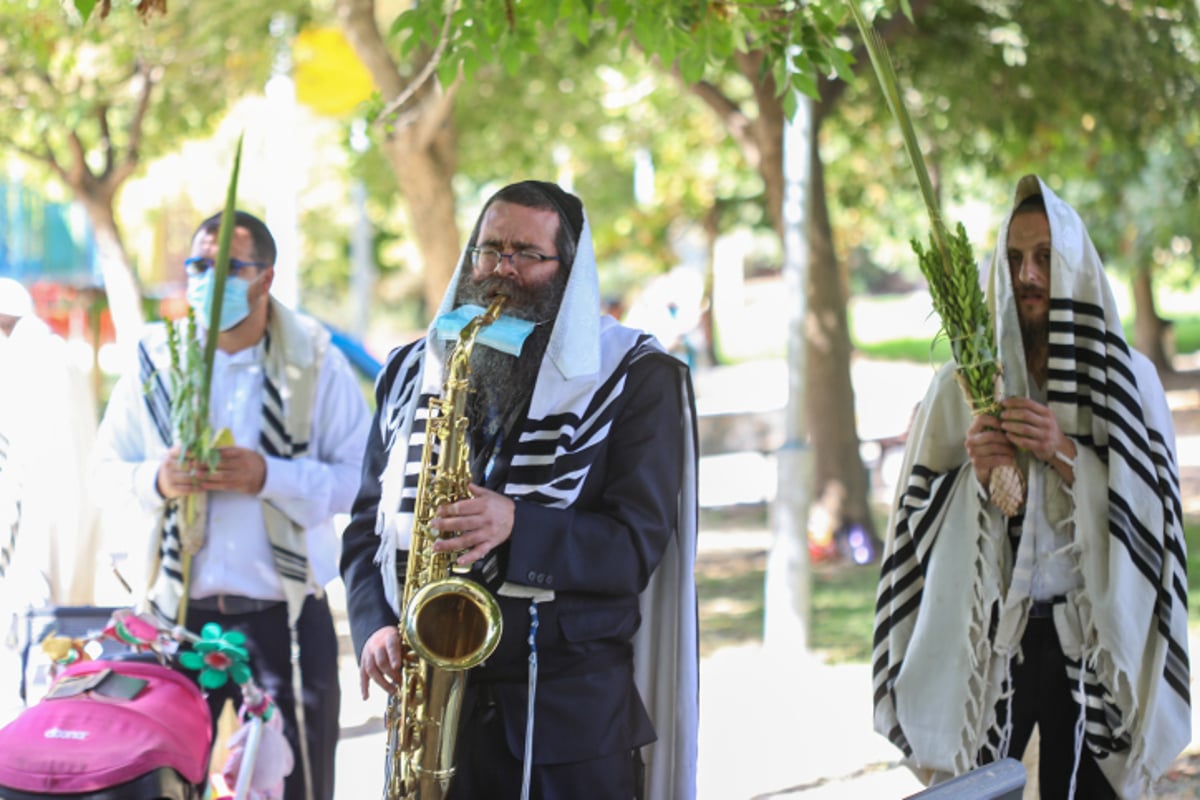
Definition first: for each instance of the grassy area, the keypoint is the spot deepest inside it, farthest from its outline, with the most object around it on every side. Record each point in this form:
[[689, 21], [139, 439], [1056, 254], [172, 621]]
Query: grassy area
[[843, 610], [1187, 334], [937, 350], [729, 586], [730, 589], [730, 593], [919, 350], [843, 603]]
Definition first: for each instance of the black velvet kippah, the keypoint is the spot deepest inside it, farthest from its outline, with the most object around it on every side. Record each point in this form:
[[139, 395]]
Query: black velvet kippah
[[570, 207]]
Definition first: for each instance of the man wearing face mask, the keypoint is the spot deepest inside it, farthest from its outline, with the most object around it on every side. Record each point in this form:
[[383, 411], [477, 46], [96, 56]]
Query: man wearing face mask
[[299, 424]]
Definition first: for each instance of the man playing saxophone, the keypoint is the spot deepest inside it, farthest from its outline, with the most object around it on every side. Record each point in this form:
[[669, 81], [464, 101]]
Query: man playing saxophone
[[580, 519]]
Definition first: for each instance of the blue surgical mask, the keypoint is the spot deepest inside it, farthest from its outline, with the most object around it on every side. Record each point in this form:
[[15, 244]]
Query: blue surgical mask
[[506, 334], [235, 305]]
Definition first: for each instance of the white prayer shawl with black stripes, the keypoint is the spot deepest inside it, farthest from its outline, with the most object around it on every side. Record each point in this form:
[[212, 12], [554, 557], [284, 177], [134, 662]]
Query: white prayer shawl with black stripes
[[294, 348], [953, 603], [582, 376]]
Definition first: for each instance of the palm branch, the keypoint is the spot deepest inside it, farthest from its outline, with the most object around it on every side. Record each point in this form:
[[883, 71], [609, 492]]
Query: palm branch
[[950, 269]]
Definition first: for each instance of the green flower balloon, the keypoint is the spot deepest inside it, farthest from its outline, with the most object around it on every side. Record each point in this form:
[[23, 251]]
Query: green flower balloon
[[218, 656]]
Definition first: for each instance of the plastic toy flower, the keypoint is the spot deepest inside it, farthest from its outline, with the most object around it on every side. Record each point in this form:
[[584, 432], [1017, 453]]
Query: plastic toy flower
[[218, 656], [256, 703], [133, 630], [64, 650]]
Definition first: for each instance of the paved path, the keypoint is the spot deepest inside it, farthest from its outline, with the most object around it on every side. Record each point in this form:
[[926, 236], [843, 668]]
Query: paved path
[[799, 729]]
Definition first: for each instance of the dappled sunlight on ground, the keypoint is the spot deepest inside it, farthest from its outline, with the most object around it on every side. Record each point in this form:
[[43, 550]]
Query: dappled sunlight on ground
[[803, 729]]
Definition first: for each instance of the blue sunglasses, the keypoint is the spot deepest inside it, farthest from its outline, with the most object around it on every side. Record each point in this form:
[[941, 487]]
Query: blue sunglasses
[[199, 266]]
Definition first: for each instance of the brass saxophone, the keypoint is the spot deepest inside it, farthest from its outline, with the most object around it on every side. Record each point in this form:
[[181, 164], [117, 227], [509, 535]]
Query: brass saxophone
[[450, 623]]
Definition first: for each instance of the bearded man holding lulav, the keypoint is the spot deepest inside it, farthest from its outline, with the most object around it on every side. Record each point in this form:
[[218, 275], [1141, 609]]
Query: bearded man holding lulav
[[1071, 614]]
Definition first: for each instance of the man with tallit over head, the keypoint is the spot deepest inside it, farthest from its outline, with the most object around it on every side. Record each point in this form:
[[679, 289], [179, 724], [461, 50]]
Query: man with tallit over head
[[580, 520], [1071, 614], [49, 539]]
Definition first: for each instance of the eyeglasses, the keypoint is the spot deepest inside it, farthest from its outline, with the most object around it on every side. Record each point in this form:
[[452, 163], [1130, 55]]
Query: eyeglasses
[[489, 258], [199, 266]]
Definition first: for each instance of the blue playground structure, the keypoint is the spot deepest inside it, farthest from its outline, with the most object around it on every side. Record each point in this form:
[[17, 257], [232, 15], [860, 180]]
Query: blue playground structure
[[44, 240], [367, 365]]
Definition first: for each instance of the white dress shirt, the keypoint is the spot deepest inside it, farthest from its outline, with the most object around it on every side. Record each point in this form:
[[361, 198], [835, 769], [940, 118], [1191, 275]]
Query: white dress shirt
[[1049, 500], [236, 556]]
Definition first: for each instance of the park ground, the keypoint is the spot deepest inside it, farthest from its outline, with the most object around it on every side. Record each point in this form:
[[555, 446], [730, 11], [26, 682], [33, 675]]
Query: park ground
[[792, 726]]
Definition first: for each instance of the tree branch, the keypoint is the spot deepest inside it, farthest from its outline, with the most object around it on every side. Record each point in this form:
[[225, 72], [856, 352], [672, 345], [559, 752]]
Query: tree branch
[[136, 128], [729, 113], [105, 140], [432, 107], [78, 171], [396, 103], [358, 22], [433, 112], [45, 156]]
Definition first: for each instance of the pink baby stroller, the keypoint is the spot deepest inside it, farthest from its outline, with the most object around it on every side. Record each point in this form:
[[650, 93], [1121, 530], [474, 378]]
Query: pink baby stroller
[[110, 729], [133, 729]]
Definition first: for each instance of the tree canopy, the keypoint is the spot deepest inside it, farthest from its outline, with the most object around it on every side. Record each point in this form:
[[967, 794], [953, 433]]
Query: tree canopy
[[93, 98]]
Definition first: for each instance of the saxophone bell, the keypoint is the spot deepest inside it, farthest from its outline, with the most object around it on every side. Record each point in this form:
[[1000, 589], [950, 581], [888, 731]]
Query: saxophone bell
[[453, 623]]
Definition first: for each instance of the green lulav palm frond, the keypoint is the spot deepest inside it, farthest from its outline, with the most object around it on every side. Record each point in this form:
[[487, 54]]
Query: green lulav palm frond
[[220, 275], [190, 372], [191, 364], [949, 264]]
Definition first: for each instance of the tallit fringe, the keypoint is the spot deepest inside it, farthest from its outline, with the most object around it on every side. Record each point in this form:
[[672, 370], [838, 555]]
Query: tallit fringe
[[1116, 681], [980, 711], [1094, 658], [385, 557]]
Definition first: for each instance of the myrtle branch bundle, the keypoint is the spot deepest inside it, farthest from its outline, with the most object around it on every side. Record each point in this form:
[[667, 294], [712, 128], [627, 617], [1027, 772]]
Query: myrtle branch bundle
[[949, 268]]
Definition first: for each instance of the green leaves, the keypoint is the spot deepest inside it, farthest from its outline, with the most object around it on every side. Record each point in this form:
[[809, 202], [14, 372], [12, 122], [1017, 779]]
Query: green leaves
[[189, 417], [959, 303], [699, 37], [85, 8], [949, 263], [190, 375]]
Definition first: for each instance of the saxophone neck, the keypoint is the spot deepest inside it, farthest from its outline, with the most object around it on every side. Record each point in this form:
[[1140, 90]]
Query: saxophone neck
[[493, 311], [466, 337]]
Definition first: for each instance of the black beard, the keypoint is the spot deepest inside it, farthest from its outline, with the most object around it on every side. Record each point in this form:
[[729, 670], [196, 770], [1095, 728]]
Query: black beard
[[502, 384], [1035, 335]]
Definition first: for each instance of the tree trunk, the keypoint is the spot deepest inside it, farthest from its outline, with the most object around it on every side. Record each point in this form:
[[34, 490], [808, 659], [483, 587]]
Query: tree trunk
[[768, 135], [424, 173], [120, 285], [1150, 331], [787, 586], [421, 147], [840, 484]]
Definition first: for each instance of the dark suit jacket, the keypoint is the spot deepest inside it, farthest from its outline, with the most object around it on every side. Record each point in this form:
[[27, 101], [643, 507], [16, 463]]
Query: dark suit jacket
[[596, 556]]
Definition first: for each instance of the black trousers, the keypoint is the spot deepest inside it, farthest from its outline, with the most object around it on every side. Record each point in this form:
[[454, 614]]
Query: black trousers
[[486, 768], [269, 642], [1042, 696]]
